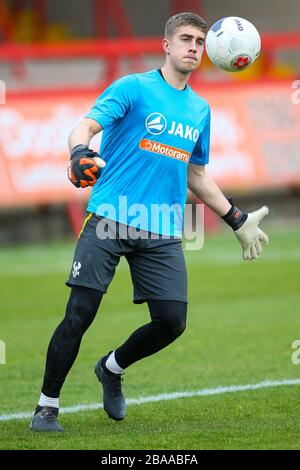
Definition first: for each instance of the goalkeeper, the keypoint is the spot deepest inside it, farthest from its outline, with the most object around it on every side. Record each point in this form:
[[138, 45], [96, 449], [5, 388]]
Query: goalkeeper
[[155, 144]]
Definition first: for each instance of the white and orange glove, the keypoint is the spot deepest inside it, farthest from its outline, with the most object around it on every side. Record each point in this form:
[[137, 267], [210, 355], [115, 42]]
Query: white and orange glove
[[247, 231]]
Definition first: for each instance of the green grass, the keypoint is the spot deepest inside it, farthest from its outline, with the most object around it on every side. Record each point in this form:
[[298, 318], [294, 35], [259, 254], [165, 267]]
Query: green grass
[[243, 318]]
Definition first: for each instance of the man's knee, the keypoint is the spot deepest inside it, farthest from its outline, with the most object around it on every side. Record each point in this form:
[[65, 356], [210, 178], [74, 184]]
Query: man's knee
[[81, 308], [171, 315], [179, 327], [177, 324]]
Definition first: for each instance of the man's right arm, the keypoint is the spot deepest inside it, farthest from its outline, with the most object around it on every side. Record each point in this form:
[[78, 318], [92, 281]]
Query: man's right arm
[[85, 165], [83, 133]]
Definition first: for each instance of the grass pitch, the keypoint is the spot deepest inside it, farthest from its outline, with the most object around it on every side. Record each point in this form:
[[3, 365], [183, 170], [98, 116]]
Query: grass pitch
[[242, 320]]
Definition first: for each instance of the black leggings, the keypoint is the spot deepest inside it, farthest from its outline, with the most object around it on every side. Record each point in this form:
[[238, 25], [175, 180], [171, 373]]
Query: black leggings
[[168, 320]]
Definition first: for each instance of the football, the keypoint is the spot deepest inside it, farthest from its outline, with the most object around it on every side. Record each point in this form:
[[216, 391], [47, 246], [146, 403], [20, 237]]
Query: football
[[233, 44]]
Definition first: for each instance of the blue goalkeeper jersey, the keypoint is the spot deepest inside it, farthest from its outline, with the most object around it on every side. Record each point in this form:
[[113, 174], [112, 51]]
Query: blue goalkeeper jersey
[[151, 132]]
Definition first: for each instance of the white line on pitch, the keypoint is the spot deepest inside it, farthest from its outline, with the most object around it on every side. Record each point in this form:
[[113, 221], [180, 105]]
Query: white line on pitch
[[166, 397]]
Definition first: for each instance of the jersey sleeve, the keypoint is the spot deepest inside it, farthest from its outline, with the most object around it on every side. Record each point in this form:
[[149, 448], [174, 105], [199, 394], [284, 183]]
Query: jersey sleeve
[[116, 100], [200, 154]]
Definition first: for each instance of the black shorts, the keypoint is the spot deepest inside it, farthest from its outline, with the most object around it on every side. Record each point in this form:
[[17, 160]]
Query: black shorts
[[157, 265]]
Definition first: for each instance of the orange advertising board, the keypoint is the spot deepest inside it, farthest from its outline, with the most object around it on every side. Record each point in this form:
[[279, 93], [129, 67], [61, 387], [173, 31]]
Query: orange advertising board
[[255, 138], [255, 141], [34, 154]]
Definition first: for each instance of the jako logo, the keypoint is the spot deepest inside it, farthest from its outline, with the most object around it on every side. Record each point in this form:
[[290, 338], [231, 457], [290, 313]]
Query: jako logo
[[156, 123], [239, 24]]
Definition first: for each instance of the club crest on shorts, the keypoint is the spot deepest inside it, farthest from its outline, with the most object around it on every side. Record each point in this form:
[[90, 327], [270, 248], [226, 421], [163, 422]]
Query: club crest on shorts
[[76, 269]]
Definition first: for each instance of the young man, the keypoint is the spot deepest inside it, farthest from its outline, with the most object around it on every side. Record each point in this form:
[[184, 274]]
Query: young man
[[155, 143]]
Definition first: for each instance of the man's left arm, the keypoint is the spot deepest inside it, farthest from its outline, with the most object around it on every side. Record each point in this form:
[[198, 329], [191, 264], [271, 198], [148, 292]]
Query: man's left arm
[[245, 226]]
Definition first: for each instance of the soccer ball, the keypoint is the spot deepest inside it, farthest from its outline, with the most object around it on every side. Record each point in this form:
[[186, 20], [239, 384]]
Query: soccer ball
[[233, 44]]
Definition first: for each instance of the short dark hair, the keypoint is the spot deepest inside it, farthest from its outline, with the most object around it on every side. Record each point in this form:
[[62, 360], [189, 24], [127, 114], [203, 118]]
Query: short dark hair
[[184, 19]]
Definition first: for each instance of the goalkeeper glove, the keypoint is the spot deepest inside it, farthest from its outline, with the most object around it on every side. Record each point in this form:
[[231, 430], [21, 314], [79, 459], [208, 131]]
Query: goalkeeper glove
[[245, 227], [85, 165]]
